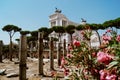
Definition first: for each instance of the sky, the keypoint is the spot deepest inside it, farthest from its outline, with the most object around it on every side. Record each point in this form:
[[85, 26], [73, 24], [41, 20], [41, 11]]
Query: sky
[[33, 14]]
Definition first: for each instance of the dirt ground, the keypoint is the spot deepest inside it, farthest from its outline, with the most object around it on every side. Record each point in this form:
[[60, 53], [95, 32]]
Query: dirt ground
[[32, 71]]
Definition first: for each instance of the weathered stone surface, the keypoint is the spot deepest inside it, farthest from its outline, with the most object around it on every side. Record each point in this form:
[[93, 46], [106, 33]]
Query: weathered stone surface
[[2, 71], [12, 75], [17, 62]]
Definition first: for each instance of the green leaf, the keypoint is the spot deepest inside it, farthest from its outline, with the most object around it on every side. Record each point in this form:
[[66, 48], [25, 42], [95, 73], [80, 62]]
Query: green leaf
[[112, 64], [89, 57]]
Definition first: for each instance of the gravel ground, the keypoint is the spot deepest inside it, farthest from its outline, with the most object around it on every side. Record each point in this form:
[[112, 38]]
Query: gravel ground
[[32, 71]]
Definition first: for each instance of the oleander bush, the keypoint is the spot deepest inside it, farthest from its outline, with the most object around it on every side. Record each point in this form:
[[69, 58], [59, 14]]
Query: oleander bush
[[87, 63]]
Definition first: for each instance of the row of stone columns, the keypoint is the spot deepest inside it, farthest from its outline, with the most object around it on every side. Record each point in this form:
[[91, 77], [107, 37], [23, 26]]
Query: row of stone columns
[[23, 54]]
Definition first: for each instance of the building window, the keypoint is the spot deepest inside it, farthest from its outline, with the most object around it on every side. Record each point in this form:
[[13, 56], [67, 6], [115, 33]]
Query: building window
[[53, 23], [64, 23]]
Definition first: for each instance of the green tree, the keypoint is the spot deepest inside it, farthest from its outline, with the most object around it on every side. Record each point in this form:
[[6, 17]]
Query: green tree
[[24, 32], [59, 30], [108, 24], [11, 29], [113, 24], [32, 40], [5, 51], [80, 27], [117, 23], [46, 31], [34, 35]]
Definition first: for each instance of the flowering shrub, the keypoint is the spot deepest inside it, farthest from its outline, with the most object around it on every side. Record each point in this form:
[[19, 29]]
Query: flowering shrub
[[104, 58], [87, 63]]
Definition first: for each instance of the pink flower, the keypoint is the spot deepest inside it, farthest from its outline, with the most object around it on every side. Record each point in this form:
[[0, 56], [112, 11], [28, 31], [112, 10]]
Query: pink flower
[[74, 37], [94, 71], [108, 30], [104, 57], [85, 71], [106, 38], [103, 74], [76, 43], [118, 38], [63, 62], [111, 77], [105, 42], [69, 47], [94, 54], [106, 75], [69, 55], [66, 71], [82, 32]]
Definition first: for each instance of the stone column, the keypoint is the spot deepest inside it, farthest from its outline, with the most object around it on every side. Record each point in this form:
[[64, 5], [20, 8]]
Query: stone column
[[64, 48], [23, 56], [40, 52], [51, 54], [1, 46], [59, 54]]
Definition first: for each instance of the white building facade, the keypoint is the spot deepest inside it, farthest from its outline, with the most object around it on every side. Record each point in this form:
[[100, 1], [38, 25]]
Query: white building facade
[[58, 19]]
